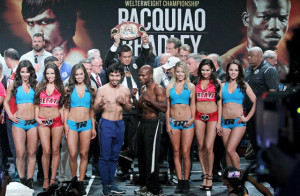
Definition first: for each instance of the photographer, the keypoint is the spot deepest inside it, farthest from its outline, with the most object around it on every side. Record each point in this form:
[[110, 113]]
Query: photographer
[[279, 134], [232, 178]]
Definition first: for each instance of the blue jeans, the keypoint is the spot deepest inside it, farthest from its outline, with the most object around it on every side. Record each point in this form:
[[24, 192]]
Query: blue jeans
[[111, 137]]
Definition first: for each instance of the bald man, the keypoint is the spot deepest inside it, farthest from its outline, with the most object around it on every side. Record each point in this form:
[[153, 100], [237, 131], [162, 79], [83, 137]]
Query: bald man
[[261, 77], [152, 101], [267, 22]]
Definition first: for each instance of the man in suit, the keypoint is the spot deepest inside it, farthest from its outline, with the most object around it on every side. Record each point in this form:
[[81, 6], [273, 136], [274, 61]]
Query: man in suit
[[97, 76], [96, 54], [216, 59], [131, 80]]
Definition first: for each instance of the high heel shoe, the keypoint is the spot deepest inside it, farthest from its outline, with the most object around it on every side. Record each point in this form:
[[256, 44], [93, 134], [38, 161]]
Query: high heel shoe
[[203, 187], [46, 188], [52, 180], [208, 188]]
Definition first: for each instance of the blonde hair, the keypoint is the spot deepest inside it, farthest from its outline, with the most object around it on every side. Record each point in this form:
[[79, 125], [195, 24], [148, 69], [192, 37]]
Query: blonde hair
[[187, 75]]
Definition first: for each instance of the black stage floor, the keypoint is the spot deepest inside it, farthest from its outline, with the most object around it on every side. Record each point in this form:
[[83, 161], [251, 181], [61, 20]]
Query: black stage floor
[[94, 186]]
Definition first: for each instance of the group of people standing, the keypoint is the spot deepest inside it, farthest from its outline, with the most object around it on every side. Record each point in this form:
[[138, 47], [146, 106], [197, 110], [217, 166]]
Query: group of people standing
[[45, 111], [206, 107], [194, 101]]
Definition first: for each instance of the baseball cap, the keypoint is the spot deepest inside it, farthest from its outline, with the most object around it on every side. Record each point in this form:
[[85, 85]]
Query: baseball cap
[[171, 62]]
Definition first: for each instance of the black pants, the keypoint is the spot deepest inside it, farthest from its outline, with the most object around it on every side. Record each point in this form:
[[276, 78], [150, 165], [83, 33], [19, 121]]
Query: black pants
[[149, 137], [219, 151], [4, 151], [94, 153], [95, 148], [131, 122], [251, 131]]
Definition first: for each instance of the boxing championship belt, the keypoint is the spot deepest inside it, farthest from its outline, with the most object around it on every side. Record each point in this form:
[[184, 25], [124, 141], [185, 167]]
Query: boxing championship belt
[[128, 30]]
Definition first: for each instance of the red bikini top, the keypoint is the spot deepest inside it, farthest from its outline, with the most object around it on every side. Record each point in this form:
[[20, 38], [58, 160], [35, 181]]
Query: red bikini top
[[50, 101], [209, 94]]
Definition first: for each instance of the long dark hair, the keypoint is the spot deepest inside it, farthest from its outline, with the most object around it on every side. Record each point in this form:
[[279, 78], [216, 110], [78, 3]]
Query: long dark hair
[[213, 76], [18, 78], [73, 82], [240, 79], [57, 82]]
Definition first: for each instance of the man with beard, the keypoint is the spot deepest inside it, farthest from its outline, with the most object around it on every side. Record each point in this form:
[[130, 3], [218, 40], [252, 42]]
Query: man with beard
[[111, 99], [267, 22], [152, 101], [37, 55], [55, 19]]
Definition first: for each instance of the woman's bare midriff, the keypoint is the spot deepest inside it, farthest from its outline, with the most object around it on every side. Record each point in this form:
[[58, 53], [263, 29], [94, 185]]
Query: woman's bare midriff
[[25, 111], [232, 110], [180, 112], [49, 112], [79, 114], [206, 107]]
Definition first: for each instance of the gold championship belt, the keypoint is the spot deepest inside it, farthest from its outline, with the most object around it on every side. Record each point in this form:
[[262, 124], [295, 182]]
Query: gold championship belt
[[128, 30]]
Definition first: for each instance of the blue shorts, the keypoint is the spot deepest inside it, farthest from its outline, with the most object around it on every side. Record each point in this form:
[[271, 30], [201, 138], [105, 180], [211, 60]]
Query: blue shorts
[[80, 126], [231, 123], [26, 124], [178, 124]]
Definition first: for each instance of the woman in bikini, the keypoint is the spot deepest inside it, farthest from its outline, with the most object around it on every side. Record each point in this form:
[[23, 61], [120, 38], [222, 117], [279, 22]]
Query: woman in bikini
[[49, 100], [79, 121], [207, 117], [233, 120], [180, 122], [24, 127]]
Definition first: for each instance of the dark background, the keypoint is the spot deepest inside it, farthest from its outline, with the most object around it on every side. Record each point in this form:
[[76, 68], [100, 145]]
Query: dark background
[[224, 27]]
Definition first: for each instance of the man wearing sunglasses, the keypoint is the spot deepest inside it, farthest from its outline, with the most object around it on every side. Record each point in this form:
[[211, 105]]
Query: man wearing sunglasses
[[37, 55]]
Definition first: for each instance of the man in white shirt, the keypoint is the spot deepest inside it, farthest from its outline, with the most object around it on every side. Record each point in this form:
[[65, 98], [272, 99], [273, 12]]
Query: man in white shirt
[[38, 54]]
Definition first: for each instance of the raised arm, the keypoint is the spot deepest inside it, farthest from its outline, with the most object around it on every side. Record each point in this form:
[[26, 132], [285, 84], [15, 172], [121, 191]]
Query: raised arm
[[109, 59], [145, 49]]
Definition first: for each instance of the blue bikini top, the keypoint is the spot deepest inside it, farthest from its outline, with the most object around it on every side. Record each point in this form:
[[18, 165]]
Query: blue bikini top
[[236, 97], [77, 101], [22, 97], [182, 98]]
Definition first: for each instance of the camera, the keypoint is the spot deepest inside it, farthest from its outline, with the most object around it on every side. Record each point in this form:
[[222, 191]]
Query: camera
[[234, 174], [277, 123]]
